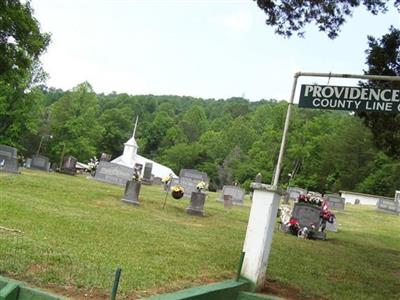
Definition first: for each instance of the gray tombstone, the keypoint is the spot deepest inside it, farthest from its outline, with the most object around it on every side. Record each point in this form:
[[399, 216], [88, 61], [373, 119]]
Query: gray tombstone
[[8, 159], [189, 178], [306, 214], [331, 227], [197, 201], [259, 178], [389, 205], [147, 178], [335, 202], [228, 201], [28, 162], [113, 173], [357, 201], [40, 162], [236, 192], [157, 181], [131, 194], [69, 165], [293, 193]]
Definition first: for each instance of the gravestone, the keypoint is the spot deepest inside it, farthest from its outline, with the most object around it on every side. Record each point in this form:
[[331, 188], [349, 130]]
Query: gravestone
[[8, 159], [131, 193], [197, 201], [69, 165], [236, 192], [306, 214], [259, 178], [335, 202], [389, 205], [293, 193], [227, 201], [331, 227], [189, 178], [357, 201], [157, 181], [40, 162], [28, 162], [147, 178], [113, 173]]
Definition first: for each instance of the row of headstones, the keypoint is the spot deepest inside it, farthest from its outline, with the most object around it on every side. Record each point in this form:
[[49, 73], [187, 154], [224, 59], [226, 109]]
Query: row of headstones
[[132, 191], [9, 160], [335, 201]]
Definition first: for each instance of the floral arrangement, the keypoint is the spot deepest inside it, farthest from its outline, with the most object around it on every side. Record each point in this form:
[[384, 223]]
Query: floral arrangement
[[93, 165], [166, 179], [177, 191], [310, 199], [201, 186], [136, 174]]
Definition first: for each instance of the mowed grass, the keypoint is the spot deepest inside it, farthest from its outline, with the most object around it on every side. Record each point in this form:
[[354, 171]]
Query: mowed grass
[[76, 232]]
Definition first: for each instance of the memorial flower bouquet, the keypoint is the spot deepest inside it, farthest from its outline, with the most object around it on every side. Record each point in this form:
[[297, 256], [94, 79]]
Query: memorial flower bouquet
[[177, 192], [201, 186]]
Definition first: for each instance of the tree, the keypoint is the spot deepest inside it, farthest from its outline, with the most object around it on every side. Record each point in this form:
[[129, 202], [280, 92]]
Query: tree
[[21, 44], [383, 58], [291, 16], [194, 122], [75, 123]]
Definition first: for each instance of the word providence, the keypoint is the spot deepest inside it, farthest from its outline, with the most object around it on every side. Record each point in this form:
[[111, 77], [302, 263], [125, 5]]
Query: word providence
[[350, 98]]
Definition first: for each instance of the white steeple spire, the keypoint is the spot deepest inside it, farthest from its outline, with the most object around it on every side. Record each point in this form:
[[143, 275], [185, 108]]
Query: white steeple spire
[[130, 147]]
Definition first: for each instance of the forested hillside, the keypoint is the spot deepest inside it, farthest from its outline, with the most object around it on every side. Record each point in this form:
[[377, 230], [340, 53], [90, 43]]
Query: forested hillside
[[232, 140]]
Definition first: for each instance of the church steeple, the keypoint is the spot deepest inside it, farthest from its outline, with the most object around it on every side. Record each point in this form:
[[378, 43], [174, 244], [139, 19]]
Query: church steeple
[[131, 147]]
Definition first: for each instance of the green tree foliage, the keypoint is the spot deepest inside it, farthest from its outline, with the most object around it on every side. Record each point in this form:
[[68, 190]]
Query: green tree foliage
[[326, 151], [75, 123], [383, 58], [21, 44], [291, 16], [193, 122]]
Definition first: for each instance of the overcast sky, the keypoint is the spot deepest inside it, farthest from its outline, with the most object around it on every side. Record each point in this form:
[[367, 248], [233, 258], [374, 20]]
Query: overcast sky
[[202, 48]]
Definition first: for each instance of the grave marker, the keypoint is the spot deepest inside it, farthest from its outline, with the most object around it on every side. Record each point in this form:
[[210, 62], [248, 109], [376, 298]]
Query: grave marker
[[197, 201], [293, 193], [40, 162], [69, 165], [8, 159], [147, 178], [189, 178], [335, 201], [237, 194], [389, 205], [113, 173]]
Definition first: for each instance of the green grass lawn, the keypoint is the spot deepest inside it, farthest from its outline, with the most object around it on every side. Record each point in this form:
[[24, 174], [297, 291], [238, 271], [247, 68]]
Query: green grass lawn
[[76, 232]]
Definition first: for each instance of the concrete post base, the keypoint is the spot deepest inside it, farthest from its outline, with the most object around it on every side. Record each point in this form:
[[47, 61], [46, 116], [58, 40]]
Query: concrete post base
[[260, 230]]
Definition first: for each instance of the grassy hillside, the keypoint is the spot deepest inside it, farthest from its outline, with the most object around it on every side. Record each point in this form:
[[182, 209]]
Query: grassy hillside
[[76, 232]]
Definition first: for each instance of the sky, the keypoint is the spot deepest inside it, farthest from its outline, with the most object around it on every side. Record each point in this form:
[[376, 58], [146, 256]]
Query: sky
[[201, 48]]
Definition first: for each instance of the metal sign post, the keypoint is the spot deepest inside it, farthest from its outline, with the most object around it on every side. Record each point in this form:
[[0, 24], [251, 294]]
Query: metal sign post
[[310, 74]]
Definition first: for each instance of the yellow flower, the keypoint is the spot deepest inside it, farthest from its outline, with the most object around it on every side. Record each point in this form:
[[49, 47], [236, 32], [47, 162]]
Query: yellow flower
[[177, 188]]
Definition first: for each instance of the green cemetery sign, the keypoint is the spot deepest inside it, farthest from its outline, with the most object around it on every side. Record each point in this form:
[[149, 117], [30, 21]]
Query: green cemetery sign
[[349, 98]]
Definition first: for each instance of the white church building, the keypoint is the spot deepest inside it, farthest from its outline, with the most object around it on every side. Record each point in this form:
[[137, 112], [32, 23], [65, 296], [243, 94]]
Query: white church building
[[130, 158]]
